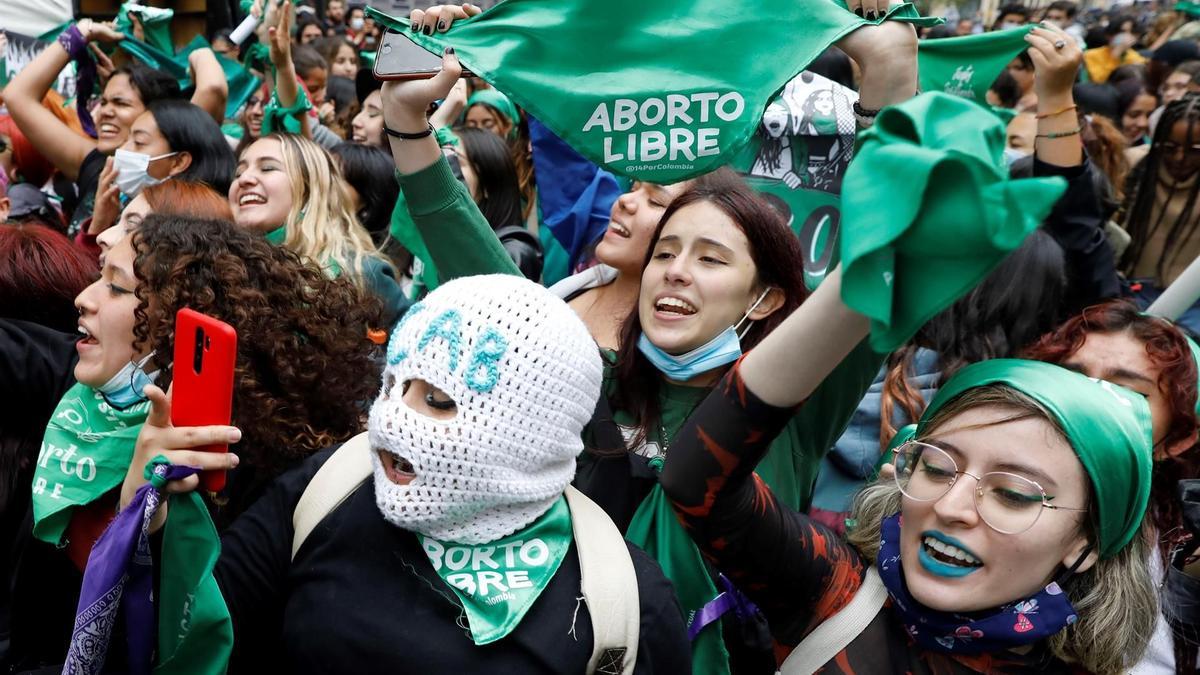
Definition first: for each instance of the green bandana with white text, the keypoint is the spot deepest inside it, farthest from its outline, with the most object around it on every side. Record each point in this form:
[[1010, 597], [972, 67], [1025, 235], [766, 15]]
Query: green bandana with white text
[[656, 91], [966, 66], [85, 453], [499, 581]]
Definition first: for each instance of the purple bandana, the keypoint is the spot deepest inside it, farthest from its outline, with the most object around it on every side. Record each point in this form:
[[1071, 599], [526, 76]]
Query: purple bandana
[[119, 576], [85, 75], [1016, 624]]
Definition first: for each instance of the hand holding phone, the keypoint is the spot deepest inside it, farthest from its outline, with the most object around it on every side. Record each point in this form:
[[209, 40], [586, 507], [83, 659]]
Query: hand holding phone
[[205, 354], [399, 58]]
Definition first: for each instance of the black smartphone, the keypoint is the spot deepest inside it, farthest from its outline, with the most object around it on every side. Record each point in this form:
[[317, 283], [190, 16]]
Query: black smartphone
[[399, 58]]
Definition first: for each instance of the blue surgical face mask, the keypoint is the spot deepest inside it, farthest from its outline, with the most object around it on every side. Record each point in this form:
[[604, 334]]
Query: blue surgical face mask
[[722, 350], [125, 388]]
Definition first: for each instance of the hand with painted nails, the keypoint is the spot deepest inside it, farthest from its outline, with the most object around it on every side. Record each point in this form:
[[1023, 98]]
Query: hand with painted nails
[[159, 437], [868, 9], [439, 18], [1056, 58]]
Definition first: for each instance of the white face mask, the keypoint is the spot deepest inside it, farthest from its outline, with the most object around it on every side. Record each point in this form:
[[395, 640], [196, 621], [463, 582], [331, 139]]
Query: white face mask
[[356, 23], [524, 374], [133, 171]]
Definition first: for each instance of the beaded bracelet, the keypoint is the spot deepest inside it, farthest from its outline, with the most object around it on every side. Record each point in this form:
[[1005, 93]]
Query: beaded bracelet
[[1061, 134], [1043, 116]]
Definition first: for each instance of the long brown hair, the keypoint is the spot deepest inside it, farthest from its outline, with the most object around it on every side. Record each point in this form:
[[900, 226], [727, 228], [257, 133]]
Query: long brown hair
[[778, 264], [305, 368]]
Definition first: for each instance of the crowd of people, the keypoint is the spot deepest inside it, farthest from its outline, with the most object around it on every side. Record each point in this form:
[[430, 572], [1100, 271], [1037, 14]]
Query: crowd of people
[[501, 407]]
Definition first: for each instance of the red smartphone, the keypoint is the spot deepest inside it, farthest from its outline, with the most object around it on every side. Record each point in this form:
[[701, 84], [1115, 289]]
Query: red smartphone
[[205, 353], [399, 58]]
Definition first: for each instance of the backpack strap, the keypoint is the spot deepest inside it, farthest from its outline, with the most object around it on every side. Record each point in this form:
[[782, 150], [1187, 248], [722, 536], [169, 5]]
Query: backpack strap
[[347, 468], [835, 633], [609, 587]]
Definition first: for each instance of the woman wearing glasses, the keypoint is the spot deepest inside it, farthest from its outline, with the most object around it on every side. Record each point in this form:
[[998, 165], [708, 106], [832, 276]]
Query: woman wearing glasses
[[1009, 538]]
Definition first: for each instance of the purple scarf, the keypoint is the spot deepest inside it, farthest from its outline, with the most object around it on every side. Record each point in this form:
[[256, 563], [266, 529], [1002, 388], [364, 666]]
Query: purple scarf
[[85, 75], [1016, 624], [119, 576]]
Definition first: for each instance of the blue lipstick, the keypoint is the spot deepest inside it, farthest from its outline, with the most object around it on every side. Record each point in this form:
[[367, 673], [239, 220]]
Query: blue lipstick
[[939, 568]]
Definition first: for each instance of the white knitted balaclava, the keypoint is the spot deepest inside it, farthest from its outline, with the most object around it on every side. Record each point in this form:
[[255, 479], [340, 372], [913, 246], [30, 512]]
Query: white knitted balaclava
[[525, 375]]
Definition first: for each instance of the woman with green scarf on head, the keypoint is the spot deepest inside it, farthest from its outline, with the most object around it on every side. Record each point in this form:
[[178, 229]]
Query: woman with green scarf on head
[[1009, 538]]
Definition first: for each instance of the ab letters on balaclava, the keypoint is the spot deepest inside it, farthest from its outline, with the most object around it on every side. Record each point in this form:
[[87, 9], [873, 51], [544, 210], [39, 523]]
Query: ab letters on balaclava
[[525, 376]]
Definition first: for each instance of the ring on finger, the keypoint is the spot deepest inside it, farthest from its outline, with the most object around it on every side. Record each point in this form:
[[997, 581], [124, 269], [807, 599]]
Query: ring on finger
[[1059, 44]]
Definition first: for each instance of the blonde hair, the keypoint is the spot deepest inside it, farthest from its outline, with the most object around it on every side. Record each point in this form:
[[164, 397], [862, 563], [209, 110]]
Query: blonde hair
[[321, 224], [1115, 599]]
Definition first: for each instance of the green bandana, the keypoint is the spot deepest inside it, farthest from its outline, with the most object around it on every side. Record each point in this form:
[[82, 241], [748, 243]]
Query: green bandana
[[278, 118], [1107, 425], [242, 83], [967, 66], [648, 97], [1190, 8], [953, 214], [501, 103], [277, 236], [499, 581], [85, 453], [155, 21], [655, 529], [195, 632]]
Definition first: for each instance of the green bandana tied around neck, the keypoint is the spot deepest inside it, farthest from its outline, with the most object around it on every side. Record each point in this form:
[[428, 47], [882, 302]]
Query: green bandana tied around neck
[[966, 66], [650, 97], [1107, 425], [501, 103], [499, 581], [953, 213], [85, 453]]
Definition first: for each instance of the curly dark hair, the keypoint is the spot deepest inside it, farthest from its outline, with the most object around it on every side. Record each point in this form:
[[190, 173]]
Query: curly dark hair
[[305, 369]]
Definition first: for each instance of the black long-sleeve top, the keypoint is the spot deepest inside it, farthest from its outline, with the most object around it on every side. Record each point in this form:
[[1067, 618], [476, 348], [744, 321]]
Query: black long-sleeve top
[[797, 571]]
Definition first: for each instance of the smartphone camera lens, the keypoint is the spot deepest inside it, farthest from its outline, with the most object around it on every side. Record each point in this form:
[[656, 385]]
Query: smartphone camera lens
[[198, 353]]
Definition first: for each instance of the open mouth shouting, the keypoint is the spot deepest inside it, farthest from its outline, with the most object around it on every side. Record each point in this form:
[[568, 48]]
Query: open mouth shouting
[[87, 341], [673, 307], [618, 230], [399, 470], [108, 130]]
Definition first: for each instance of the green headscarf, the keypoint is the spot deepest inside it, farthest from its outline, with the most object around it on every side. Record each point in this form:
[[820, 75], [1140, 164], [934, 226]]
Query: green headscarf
[[952, 213], [501, 103], [1107, 425]]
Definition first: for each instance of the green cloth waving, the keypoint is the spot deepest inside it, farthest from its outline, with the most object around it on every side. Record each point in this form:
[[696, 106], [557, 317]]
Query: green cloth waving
[[156, 24], [657, 531], [1107, 425], [952, 213], [85, 453], [242, 83], [967, 66], [650, 90]]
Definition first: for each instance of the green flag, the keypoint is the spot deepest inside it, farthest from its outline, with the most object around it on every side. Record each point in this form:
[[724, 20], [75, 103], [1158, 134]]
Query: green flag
[[967, 66], [1187, 7], [952, 214], [657, 91], [796, 160], [156, 23]]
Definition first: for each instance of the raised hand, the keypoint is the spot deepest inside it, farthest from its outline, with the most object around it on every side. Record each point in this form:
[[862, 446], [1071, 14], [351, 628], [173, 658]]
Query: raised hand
[[159, 437], [279, 36], [439, 18], [108, 201]]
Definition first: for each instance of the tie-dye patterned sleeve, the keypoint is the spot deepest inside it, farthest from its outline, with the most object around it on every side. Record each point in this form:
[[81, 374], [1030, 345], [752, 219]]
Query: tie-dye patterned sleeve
[[796, 570]]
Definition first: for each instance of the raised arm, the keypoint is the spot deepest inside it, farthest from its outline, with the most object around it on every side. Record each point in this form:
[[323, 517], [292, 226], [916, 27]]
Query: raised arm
[[279, 37], [459, 239], [795, 570], [55, 140], [212, 89]]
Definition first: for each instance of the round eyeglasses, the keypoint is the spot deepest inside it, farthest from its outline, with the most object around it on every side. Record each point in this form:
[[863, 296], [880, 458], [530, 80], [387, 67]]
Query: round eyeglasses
[[1007, 502]]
